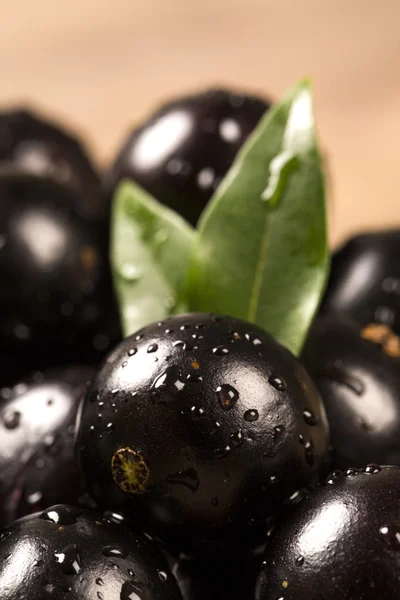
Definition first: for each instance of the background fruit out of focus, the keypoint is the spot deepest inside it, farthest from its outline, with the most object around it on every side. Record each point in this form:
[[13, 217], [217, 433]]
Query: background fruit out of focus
[[101, 67]]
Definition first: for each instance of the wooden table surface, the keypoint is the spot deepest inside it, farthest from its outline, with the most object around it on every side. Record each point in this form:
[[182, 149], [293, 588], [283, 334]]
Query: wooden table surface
[[102, 65]]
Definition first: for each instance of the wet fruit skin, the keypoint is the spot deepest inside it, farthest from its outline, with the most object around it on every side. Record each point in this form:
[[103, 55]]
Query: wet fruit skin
[[32, 144], [365, 280], [357, 371], [37, 433], [184, 149], [213, 407], [341, 542], [64, 553], [56, 293]]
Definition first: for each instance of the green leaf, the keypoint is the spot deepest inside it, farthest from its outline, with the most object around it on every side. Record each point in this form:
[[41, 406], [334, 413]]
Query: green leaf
[[261, 253], [150, 252]]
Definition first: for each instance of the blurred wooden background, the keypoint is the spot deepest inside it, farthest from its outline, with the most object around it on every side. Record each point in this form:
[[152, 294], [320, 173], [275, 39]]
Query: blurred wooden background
[[102, 65]]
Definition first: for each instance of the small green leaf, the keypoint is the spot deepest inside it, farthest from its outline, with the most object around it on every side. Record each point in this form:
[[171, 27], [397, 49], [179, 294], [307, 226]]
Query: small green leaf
[[261, 253], [150, 252]]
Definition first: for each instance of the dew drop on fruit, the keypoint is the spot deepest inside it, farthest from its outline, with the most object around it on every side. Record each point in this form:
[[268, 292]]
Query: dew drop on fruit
[[390, 537], [227, 396], [163, 576], [11, 419], [251, 415], [99, 581], [220, 350], [278, 383], [236, 439], [100, 596], [69, 560], [197, 412], [300, 560], [372, 469], [188, 478], [279, 430], [309, 417], [169, 382], [152, 348], [309, 453], [61, 515], [130, 592], [113, 552], [132, 352]]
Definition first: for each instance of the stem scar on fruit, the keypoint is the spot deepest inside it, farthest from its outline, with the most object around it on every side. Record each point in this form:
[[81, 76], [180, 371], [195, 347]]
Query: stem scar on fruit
[[129, 471]]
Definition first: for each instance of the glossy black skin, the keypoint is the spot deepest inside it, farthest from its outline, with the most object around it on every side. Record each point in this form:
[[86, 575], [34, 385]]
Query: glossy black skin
[[232, 578], [215, 477], [365, 279], [67, 554], [332, 546], [183, 150], [37, 441], [56, 292], [360, 386], [34, 145]]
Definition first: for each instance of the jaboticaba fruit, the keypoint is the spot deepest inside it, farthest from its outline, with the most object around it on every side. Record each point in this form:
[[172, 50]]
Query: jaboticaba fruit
[[33, 145], [200, 426], [64, 553], [182, 152], [357, 371], [342, 542], [37, 429], [56, 292], [365, 280]]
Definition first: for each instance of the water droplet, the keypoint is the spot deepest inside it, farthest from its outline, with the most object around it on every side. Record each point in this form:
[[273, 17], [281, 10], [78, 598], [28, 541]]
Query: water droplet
[[163, 576], [131, 573], [132, 352], [168, 383], [280, 168], [99, 581], [34, 498], [152, 348], [100, 595], [124, 364], [197, 412], [309, 453], [236, 438], [273, 479], [184, 326], [351, 472], [390, 537], [215, 502], [61, 515], [251, 415], [187, 478], [278, 431], [113, 552], [300, 560], [278, 383], [309, 417], [69, 560], [109, 427], [216, 427], [254, 340], [138, 337], [130, 272], [129, 591], [188, 346], [11, 419], [227, 396], [222, 452], [220, 350], [372, 469], [301, 439]]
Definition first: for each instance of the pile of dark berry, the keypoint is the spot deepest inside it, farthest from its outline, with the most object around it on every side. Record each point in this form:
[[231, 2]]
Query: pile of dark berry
[[197, 458]]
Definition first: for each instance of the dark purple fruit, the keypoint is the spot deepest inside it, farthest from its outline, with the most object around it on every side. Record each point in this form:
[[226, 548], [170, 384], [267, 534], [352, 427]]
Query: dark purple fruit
[[40, 147], [37, 428], [183, 151], [56, 294], [340, 543], [357, 371], [199, 428], [365, 280], [64, 553]]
